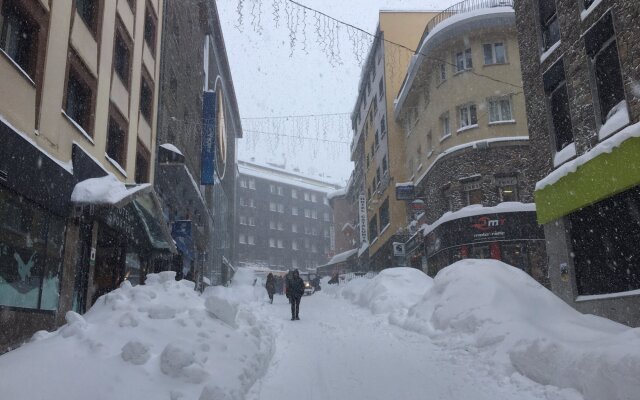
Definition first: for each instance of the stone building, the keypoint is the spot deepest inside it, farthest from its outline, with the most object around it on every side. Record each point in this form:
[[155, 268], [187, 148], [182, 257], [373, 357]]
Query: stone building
[[283, 218], [580, 67], [463, 114], [80, 86], [378, 144], [199, 209]]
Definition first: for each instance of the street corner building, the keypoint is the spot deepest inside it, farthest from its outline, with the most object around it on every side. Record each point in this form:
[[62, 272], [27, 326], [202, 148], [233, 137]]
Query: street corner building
[[462, 111], [79, 213], [581, 67]]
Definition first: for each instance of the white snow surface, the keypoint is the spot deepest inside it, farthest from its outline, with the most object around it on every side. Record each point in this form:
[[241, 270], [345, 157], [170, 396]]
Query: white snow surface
[[618, 117], [172, 148], [105, 190], [480, 330], [603, 147], [564, 155], [337, 193], [340, 257]]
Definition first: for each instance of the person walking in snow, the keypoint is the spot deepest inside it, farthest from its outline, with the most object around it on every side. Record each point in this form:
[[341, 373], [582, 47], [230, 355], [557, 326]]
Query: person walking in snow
[[295, 291], [270, 286]]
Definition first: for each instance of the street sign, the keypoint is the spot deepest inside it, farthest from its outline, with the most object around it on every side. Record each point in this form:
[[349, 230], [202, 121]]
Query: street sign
[[405, 192]]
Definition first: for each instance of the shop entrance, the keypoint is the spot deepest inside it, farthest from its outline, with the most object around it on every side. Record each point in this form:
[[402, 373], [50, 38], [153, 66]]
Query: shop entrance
[[110, 262]]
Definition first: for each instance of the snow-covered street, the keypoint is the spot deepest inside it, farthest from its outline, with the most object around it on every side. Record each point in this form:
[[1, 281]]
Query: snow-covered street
[[480, 330]]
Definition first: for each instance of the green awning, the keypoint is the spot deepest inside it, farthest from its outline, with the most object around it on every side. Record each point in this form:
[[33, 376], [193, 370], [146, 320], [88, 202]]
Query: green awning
[[599, 178]]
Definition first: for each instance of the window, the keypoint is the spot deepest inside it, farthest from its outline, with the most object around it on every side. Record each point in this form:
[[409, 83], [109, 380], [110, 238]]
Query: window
[[242, 201], [273, 206], [314, 198], [500, 109], [280, 226], [314, 214], [243, 183], [272, 225], [294, 228], [442, 72], [326, 217], [80, 96], [384, 214], [88, 11], [549, 23], [294, 194], [325, 200], [281, 208], [272, 242], [378, 175], [241, 239], [384, 163], [494, 53], [373, 228], [383, 126], [252, 221], [30, 254], [272, 189], [251, 240], [117, 138], [306, 196], [468, 116], [294, 210], [508, 188], [445, 125], [252, 203], [377, 139], [373, 150], [601, 46], [146, 97], [142, 164], [463, 61], [381, 89], [19, 36], [280, 191], [307, 213], [429, 142], [280, 244], [252, 184], [294, 245], [150, 28], [556, 90], [473, 193], [122, 54]]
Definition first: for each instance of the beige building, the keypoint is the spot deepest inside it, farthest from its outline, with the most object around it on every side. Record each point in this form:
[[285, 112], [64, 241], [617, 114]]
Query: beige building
[[79, 85], [376, 132], [463, 115]]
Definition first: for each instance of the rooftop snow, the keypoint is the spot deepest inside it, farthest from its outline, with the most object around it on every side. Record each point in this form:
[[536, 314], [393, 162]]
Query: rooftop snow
[[286, 177], [337, 193], [477, 209], [105, 190], [341, 257], [171, 147]]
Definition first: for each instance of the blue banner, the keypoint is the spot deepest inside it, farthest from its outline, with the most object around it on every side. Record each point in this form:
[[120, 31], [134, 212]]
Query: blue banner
[[181, 234], [208, 159]]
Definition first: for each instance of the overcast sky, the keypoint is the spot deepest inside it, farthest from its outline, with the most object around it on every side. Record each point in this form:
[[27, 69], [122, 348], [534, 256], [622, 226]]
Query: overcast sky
[[273, 81]]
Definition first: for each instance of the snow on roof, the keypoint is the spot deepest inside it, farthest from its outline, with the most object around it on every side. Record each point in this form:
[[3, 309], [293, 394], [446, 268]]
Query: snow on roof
[[474, 144], [171, 147], [347, 225], [606, 146], [341, 257], [415, 63], [400, 184], [477, 209], [337, 193], [286, 177], [105, 190]]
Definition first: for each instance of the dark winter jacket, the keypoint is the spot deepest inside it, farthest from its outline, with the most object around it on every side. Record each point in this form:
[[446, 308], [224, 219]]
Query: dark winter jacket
[[295, 287], [271, 285]]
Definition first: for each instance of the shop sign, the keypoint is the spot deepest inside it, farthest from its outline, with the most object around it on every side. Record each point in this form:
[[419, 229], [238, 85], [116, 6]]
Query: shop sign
[[207, 166], [398, 249], [362, 214], [405, 192]]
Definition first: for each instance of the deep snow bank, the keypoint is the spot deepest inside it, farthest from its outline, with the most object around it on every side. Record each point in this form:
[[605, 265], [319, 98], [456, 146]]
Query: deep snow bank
[[157, 340], [512, 321]]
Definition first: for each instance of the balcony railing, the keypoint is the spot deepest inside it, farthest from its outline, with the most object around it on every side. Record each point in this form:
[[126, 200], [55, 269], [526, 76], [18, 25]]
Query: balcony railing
[[464, 7]]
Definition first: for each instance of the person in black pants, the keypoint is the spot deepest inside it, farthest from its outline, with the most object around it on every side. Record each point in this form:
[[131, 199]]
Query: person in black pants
[[295, 291]]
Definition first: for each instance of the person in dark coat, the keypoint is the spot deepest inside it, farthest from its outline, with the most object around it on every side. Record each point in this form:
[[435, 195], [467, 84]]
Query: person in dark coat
[[295, 291], [334, 279], [287, 282], [270, 286]]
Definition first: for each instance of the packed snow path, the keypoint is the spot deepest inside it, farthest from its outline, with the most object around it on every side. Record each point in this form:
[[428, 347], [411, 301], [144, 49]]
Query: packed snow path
[[340, 351]]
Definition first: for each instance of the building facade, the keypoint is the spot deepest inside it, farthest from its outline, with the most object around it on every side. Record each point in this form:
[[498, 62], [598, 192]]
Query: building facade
[[198, 210], [83, 82], [581, 65], [378, 141], [284, 220], [467, 152]]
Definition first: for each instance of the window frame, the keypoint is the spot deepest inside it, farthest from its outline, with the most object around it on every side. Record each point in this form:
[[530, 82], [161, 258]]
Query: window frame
[[75, 64], [146, 79], [119, 119], [468, 107], [494, 57], [142, 151], [121, 32], [445, 133], [467, 60], [150, 12], [499, 101]]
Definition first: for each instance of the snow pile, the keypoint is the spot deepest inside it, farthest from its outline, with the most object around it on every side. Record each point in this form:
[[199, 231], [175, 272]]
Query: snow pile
[[617, 118], [158, 340], [105, 190], [507, 318], [391, 290]]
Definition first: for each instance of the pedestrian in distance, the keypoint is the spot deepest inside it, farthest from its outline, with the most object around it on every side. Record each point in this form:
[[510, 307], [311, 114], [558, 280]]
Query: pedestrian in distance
[[295, 291], [270, 286], [287, 282]]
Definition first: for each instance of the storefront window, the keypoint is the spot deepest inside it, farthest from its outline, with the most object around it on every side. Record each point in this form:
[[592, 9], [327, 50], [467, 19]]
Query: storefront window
[[31, 242]]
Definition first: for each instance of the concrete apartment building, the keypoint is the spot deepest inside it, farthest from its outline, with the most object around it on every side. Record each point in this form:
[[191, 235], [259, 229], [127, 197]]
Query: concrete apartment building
[[467, 146], [80, 86], [283, 218], [199, 210], [580, 67], [378, 143]]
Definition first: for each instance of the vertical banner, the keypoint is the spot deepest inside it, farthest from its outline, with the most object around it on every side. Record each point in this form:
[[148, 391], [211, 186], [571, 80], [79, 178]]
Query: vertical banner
[[207, 161], [362, 213], [182, 235]]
